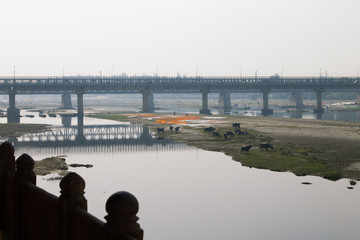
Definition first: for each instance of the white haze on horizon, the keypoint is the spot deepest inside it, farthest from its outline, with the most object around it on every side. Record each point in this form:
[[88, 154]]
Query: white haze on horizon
[[197, 37]]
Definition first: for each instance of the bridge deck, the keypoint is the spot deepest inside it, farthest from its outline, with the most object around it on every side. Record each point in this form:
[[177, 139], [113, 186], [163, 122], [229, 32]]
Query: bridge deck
[[92, 84]]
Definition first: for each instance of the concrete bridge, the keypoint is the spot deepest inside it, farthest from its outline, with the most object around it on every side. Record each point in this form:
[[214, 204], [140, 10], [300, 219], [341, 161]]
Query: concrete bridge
[[146, 86]]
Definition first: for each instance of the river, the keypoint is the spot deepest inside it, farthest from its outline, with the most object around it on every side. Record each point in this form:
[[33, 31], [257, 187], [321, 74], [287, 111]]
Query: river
[[187, 193]]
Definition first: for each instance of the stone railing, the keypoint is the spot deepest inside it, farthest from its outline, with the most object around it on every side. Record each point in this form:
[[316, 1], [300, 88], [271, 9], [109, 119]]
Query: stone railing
[[29, 212]]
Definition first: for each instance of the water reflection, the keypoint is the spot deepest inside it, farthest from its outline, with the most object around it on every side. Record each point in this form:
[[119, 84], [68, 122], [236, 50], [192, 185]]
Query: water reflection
[[186, 193], [66, 120], [96, 138]]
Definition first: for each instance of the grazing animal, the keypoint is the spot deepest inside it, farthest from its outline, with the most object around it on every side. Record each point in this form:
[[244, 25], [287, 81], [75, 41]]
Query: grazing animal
[[160, 130], [266, 146], [229, 133], [236, 125], [171, 128], [216, 134], [245, 149], [177, 129], [209, 129], [239, 132]]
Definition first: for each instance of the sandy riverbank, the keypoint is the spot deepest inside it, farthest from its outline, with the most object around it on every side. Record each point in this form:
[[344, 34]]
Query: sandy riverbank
[[306, 147]]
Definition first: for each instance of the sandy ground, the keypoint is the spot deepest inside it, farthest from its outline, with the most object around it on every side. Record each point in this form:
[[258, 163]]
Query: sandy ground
[[336, 142]]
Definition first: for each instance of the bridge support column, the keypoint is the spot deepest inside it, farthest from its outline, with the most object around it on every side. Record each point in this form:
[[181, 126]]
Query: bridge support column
[[296, 114], [358, 98], [146, 136], [148, 102], [80, 116], [66, 120], [224, 103], [266, 111], [13, 113], [296, 98], [318, 108], [66, 101], [205, 109]]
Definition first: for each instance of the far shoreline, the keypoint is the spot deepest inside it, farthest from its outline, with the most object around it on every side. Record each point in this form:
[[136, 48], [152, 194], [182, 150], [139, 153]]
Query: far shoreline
[[304, 147]]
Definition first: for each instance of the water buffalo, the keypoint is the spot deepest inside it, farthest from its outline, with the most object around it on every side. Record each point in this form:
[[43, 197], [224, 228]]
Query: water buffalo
[[236, 125], [177, 129], [229, 133], [209, 129], [171, 128], [160, 130], [266, 146], [239, 132], [216, 134], [245, 149]]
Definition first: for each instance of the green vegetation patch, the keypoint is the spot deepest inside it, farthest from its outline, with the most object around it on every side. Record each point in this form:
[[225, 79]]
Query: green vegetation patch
[[290, 158]]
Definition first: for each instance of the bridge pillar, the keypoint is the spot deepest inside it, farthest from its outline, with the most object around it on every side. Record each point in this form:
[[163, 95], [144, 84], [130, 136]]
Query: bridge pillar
[[358, 98], [80, 115], [66, 101], [148, 102], [296, 98], [13, 113], [205, 109], [318, 109], [224, 103], [146, 136], [266, 111], [66, 120], [296, 114]]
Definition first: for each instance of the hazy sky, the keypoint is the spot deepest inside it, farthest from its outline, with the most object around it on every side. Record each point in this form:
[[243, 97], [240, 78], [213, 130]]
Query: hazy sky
[[222, 37]]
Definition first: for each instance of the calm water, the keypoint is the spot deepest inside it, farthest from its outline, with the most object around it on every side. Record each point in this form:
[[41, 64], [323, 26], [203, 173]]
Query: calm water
[[187, 193]]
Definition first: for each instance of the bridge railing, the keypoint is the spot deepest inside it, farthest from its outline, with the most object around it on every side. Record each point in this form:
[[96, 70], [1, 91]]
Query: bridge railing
[[136, 80], [29, 212]]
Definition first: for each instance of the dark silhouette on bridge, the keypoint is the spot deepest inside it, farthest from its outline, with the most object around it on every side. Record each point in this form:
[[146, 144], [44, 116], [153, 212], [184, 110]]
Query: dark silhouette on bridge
[[146, 86]]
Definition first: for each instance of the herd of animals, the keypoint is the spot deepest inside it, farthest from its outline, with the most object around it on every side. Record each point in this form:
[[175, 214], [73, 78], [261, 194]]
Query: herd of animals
[[244, 148], [228, 134]]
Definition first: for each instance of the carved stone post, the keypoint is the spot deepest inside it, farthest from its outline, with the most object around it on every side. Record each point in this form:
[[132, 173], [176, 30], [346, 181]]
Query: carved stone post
[[24, 173], [122, 208], [7, 171], [72, 195], [24, 170], [7, 160]]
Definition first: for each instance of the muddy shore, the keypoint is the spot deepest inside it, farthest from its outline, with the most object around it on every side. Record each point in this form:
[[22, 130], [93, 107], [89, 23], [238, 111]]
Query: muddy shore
[[323, 148]]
